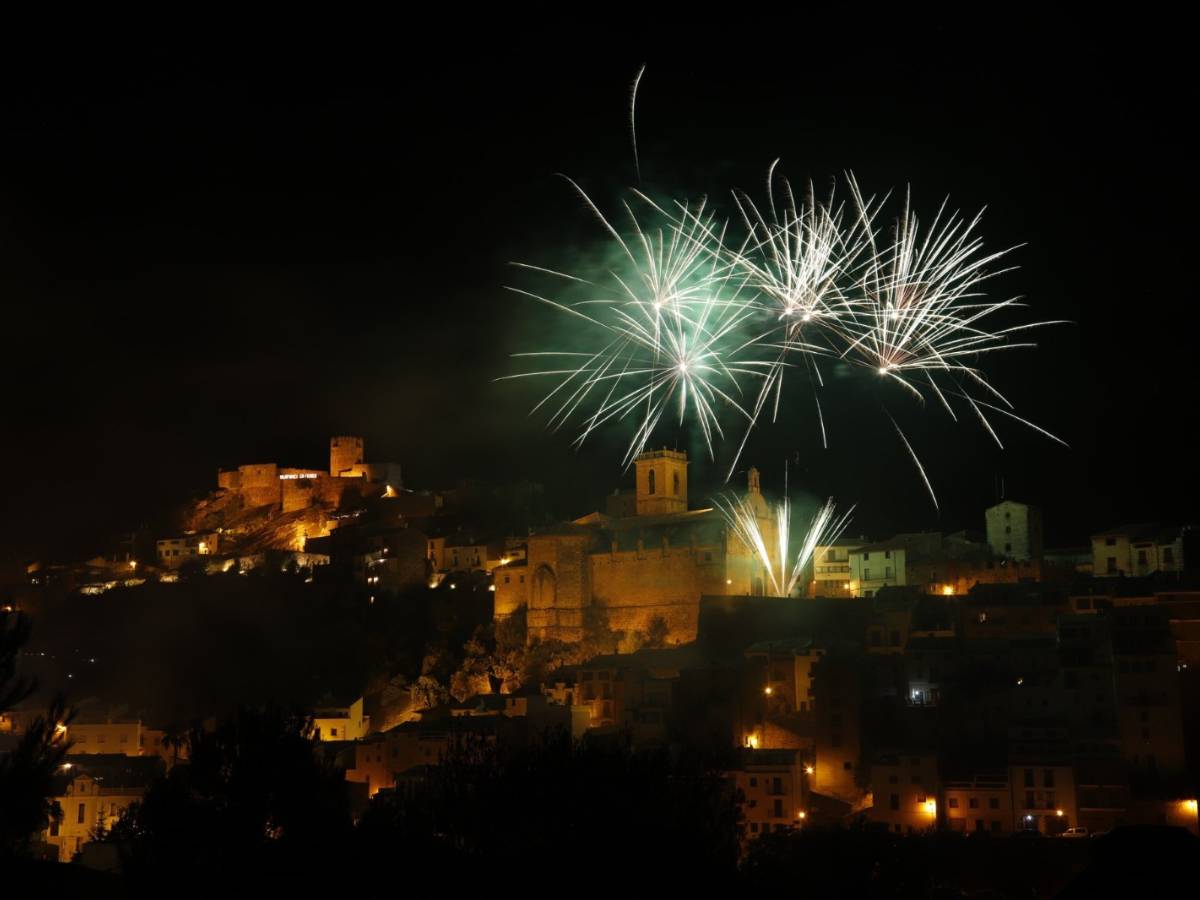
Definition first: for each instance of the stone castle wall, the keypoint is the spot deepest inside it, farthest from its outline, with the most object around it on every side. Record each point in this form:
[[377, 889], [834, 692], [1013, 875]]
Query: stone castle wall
[[631, 588], [559, 584], [259, 484], [300, 492], [345, 453], [634, 587]]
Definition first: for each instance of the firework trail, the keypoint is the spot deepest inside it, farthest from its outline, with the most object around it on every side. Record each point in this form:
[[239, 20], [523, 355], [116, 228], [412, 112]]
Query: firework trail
[[783, 564], [637, 166]]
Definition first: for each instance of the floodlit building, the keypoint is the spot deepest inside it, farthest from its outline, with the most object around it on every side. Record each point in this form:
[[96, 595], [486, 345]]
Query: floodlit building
[[1139, 549], [876, 566], [175, 551], [981, 802], [831, 568], [629, 571], [905, 789], [1014, 530], [1043, 797], [92, 793], [128, 737], [340, 723], [290, 489], [773, 788]]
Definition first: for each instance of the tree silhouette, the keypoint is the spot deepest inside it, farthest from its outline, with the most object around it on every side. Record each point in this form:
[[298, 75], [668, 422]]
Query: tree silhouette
[[253, 794], [27, 772], [485, 807]]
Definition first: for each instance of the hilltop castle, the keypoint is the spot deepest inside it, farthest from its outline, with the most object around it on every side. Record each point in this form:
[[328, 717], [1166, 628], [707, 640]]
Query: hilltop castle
[[267, 484], [266, 506], [647, 557]]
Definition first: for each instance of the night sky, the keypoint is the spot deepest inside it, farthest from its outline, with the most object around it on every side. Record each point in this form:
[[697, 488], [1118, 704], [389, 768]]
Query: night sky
[[217, 259]]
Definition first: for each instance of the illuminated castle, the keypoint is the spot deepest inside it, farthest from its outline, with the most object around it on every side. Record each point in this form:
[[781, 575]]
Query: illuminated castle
[[648, 557], [289, 489]]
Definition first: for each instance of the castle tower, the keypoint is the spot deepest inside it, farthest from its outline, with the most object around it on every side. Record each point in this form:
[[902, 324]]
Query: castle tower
[[661, 482], [346, 457]]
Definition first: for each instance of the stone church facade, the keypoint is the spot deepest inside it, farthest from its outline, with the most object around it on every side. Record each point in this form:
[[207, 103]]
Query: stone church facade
[[632, 569]]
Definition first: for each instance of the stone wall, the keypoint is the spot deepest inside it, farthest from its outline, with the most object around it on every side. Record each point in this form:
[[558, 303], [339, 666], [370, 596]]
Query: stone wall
[[635, 587], [345, 453], [559, 583], [260, 484], [512, 589], [299, 491]]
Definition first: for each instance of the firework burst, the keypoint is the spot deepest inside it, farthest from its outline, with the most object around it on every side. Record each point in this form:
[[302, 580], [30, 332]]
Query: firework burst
[[700, 322], [670, 325], [783, 562]]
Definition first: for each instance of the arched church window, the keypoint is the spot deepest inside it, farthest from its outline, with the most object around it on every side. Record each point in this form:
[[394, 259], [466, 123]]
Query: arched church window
[[651, 488], [675, 484]]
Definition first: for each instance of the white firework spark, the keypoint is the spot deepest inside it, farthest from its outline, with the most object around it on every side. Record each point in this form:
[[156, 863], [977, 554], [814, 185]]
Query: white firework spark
[[799, 258], [918, 308], [783, 563], [706, 326], [671, 325]]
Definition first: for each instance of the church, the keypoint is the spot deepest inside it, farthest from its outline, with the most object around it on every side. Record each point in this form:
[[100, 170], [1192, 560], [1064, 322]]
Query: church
[[647, 557]]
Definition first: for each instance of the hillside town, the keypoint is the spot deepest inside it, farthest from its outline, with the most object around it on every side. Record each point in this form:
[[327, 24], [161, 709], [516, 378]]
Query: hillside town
[[918, 682]]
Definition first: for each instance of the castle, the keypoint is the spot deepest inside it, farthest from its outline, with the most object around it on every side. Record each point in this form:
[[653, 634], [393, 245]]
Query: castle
[[266, 506], [648, 557], [267, 484]]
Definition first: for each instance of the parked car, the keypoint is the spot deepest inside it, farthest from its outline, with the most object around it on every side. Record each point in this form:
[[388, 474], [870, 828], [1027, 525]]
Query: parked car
[[1076, 832]]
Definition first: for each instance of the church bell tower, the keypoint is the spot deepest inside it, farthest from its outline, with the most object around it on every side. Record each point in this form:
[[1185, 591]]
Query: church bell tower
[[661, 482]]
